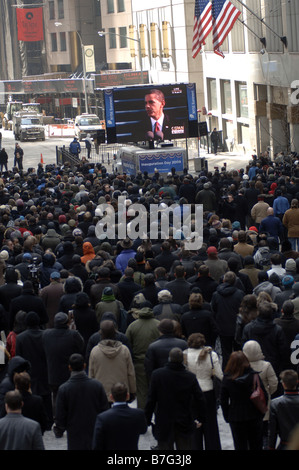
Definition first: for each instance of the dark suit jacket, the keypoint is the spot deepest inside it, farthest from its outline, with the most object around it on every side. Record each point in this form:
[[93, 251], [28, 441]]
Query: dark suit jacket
[[119, 428], [176, 399], [146, 126]]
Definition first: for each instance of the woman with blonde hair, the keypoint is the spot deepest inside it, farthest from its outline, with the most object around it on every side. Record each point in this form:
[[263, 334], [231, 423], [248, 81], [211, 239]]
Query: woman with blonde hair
[[204, 363]]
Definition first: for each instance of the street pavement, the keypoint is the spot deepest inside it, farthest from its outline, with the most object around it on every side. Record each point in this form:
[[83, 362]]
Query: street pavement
[[146, 441], [33, 151]]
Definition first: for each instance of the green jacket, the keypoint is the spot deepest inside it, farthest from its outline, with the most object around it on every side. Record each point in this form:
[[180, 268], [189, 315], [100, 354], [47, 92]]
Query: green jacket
[[142, 332]]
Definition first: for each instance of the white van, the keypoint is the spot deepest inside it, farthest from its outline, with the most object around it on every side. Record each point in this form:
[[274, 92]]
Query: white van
[[87, 124]]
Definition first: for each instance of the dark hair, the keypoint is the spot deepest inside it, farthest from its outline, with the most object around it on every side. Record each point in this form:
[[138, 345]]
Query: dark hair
[[265, 310], [14, 400], [76, 362], [119, 392], [290, 378], [22, 381], [108, 329], [236, 364], [276, 259], [176, 355], [288, 308], [248, 308]]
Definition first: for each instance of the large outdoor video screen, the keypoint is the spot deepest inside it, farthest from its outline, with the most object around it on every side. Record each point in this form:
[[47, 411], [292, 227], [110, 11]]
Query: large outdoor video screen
[[133, 113]]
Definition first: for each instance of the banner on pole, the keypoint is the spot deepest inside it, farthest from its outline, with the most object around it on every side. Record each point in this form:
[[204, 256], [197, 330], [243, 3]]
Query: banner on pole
[[30, 24], [90, 65]]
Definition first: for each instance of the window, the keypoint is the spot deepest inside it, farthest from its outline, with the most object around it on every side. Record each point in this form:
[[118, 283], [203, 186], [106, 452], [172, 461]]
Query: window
[[212, 93], [97, 7], [242, 99], [226, 97], [54, 42], [123, 40], [63, 42], [120, 6], [60, 9], [51, 10], [112, 38], [110, 6]]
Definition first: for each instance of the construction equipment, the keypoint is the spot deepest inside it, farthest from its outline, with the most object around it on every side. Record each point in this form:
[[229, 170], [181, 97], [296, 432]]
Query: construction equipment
[[15, 107]]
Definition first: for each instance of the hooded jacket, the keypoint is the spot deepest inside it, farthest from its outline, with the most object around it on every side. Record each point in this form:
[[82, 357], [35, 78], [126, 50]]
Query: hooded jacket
[[88, 252], [142, 332], [253, 352], [225, 305], [16, 364], [268, 287], [110, 362]]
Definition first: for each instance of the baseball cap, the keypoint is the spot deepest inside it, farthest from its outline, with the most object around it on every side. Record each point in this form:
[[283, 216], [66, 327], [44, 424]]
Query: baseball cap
[[212, 249]]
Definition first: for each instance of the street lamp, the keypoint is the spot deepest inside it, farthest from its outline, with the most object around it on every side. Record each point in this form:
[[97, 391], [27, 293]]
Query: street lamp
[[105, 33], [83, 65]]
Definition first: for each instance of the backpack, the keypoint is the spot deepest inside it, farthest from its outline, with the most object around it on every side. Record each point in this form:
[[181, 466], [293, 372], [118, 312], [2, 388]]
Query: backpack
[[265, 261]]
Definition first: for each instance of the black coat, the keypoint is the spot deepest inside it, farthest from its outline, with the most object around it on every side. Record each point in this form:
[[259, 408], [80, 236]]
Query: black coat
[[207, 286], [127, 288], [200, 321], [176, 399], [157, 353], [8, 292], [78, 402], [235, 398], [59, 344], [272, 340], [119, 428], [29, 345], [225, 304], [34, 408], [28, 302], [86, 322], [180, 291]]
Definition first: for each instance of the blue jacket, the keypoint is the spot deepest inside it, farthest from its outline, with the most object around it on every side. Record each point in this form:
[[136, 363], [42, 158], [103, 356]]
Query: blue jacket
[[280, 205], [272, 225], [75, 147]]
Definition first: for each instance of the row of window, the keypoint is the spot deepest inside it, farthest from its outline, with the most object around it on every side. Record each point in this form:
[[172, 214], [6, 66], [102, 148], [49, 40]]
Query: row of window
[[111, 6], [226, 105], [62, 40], [52, 9]]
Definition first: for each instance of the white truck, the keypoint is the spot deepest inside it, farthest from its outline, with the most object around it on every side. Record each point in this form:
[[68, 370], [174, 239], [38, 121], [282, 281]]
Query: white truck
[[28, 125], [87, 124]]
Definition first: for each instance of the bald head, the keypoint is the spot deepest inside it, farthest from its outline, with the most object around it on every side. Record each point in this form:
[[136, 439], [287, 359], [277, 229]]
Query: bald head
[[270, 211]]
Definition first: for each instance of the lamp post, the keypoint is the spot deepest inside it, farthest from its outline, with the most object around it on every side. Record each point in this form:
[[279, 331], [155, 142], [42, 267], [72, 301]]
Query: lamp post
[[83, 65], [105, 33]]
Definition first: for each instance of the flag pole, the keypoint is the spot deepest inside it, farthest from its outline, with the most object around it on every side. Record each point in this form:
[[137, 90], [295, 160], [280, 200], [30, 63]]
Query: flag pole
[[262, 40], [282, 38]]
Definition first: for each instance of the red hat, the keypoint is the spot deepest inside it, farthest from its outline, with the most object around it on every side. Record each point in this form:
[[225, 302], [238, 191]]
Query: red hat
[[253, 229], [212, 249]]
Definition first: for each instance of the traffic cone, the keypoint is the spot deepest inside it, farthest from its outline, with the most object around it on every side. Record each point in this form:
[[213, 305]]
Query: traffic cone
[[41, 159]]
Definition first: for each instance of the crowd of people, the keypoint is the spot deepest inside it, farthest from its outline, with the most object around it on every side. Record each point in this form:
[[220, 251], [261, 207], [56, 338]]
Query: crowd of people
[[92, 325]]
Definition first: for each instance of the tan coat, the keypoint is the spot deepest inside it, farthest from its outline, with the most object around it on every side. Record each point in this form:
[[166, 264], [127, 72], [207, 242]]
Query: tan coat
[[291, 222], [259, 211], [111, 362], [244, 249]]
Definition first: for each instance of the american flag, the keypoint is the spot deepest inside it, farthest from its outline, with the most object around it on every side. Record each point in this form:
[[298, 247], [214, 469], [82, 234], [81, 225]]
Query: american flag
[[225, 14], [202, 24]]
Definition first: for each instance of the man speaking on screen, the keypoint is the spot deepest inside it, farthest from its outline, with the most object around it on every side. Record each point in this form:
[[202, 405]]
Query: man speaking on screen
[[157, 123]]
